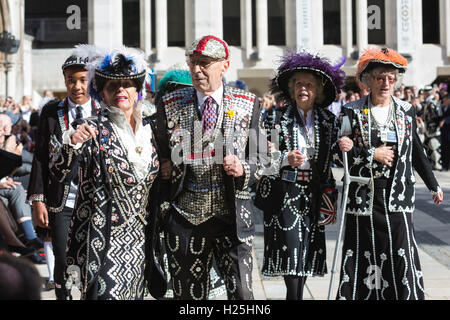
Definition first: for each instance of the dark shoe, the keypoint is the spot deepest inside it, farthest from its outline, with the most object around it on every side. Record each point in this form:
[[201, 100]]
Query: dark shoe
[[35, 243], [49, 285], [36, 258], [23, 251]]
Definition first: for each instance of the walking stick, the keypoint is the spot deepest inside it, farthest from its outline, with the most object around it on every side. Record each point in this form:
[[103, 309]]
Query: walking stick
[[346, 130]]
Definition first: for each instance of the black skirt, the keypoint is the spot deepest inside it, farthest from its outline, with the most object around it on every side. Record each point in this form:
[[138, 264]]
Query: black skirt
[[380, 259], [293, 243]]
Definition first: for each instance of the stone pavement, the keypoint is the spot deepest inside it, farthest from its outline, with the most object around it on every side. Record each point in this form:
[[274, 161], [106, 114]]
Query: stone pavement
[[432, 225]]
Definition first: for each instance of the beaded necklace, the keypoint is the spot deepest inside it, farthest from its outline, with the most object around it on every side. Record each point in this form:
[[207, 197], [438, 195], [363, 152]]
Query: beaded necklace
[[294, 145]]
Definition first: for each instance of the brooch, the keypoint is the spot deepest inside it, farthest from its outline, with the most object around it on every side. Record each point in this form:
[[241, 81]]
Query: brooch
[[138, 150]]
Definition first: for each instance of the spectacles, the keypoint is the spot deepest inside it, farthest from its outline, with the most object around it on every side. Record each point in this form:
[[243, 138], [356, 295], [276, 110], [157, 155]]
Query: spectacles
[[382, 79], [202, 62]]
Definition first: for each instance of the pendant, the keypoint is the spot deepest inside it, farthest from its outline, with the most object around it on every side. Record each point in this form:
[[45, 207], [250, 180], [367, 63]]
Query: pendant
[[138, 150]]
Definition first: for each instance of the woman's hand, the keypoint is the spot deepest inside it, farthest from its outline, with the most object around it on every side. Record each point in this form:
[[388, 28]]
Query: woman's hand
[[438, 198], [166, 169], [296, 158], [345, 144], [84, 132], [385, 155]]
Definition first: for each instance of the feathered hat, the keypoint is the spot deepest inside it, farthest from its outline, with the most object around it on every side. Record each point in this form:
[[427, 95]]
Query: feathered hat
[[374, 57], [178, 74], [113, 64], [333, 77]]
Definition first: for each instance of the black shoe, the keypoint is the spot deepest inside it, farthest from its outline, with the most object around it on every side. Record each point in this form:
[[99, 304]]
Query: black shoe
[[23, 251], [35, 257], [35, 243], [49, 285]]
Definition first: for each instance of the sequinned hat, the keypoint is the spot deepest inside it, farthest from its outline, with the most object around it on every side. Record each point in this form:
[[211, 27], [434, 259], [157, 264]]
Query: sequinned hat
[[374, 57], [73, 61], [209, 46], [333, 78], [114, 64]]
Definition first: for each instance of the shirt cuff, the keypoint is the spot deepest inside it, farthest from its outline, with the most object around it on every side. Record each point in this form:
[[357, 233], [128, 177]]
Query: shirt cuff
[[66, 139], [285, 162]]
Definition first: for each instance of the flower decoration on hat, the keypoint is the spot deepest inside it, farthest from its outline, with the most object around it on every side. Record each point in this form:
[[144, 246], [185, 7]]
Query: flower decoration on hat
[[333, 77], [373, 57], [119, 63]]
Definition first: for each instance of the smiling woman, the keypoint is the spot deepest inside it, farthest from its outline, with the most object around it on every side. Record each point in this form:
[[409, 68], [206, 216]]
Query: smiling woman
[[116, 152]]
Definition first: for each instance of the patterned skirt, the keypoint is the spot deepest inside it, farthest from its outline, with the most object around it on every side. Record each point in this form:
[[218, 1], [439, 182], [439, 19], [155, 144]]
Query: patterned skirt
[[380, 259], [293, 244], [122, 275]]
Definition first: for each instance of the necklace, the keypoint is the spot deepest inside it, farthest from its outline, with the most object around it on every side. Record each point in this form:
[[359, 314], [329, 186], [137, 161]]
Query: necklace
[[388, 122]]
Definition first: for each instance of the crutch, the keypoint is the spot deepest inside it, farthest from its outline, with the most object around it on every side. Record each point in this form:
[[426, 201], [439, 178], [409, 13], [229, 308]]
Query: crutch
[[346, 130]]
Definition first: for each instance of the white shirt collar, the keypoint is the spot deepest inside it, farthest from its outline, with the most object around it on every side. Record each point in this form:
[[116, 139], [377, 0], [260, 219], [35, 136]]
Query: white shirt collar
[[85, 106], [308, 119], [216, 95]]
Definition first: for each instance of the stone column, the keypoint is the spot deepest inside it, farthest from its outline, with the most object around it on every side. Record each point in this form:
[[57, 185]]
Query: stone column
[[346, 27], [362, 34], [261, 27], [105, 23], [304, 25], [246, 26], [405, 26], [444, 7], [161, 28], [146, 26]]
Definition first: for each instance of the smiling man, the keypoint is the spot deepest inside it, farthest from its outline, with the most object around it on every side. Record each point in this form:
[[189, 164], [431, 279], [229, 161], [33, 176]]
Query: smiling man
[[53, 202], [208, 211]]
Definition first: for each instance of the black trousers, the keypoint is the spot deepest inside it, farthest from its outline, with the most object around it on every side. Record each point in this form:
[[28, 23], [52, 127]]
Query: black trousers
[[190, 250], [59, 224], [445, 154]]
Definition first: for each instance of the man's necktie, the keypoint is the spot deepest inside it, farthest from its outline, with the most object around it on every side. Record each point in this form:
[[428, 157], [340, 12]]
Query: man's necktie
[[79, 112], [209, 116]]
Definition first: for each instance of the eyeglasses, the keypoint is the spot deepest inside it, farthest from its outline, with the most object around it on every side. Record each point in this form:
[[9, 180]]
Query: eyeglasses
[[202, 62], [382, 79]]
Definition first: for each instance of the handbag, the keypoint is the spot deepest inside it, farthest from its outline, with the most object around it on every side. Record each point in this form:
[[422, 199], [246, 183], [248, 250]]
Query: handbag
[[326, 202], [328, 206]]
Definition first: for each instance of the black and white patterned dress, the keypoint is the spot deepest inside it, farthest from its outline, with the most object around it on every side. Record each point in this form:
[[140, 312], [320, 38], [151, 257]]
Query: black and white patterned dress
[[107, 238], [294, 244], [380, 259]]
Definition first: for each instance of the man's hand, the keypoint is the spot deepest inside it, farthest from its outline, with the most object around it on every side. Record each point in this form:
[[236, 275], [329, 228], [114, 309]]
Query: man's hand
[[40, 214], [296, 158], [233, 166], [438, 198], [9, 183], [11, 145], [385, 155]]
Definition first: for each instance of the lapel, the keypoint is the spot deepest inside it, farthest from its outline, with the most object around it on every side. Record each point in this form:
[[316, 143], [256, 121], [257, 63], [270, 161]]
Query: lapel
[[362, 113], [62, 111], [229, 119], [287, 127], [399, 125]]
